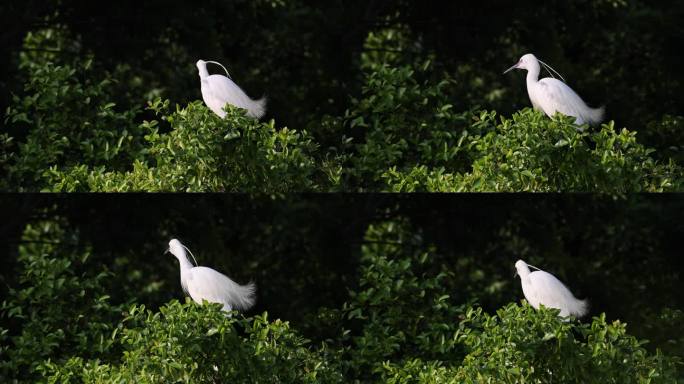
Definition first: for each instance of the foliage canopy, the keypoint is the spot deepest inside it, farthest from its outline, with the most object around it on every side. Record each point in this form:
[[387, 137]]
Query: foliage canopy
[[402, 324], [392, 108]]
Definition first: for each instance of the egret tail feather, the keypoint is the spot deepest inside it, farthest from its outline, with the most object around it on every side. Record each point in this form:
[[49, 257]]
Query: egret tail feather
[[245, 296], [257, 109], [596, 115], [580, 308]]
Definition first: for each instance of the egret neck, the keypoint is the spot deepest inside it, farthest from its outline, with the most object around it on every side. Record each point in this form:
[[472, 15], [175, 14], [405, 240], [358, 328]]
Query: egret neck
[[522, 268], [202, 67], [178, 250], [185, 263], [532, 79]]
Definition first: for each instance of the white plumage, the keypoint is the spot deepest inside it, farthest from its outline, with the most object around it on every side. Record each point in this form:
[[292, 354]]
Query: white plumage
[[542, 287], [217, 90], [203, 283], [551, 95]]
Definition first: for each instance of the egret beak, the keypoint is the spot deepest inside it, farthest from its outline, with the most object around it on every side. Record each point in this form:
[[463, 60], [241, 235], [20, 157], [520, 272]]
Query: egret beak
[[513, 67], [168, 250]]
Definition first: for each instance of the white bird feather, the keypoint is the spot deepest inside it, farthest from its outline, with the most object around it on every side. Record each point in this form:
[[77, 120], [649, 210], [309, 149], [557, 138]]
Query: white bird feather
[[551, 95], [219, 90], [540, 287], [203, 283]]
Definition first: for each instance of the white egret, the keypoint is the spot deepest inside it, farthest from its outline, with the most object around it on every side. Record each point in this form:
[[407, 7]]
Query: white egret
[[551, 95], [203, 283], [542, 287], [217, 90]]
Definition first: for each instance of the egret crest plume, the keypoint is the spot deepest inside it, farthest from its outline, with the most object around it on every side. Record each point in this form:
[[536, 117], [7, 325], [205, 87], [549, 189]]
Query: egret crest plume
[[551, 71], [220, 65], [190, 252]]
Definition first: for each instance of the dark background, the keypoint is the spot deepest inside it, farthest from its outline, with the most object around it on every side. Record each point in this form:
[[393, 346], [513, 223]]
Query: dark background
[[303, 252], [305, 55]]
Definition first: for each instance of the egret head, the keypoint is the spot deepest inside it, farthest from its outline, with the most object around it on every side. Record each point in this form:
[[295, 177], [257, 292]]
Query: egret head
[[176, 248], [521, 268], [202, 68], [530, 63], [526, 62]]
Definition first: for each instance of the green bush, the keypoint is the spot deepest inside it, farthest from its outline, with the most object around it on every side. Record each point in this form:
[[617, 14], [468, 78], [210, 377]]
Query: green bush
[[523, 345], [403, 324], [200, 344], [531, 152], [60, 309], [72, 138], [402, 308], [67, 331], [406, 121], [666, 133], [392, 104], [203, 152], [520, 344], [67, 119], [404, 133]]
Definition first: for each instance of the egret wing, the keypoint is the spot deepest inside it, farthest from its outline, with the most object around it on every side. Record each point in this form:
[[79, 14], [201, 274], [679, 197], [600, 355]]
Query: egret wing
[[556, 96], [549, 290], [223, 90], [554, 294], [208, 284], [536, 106]]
